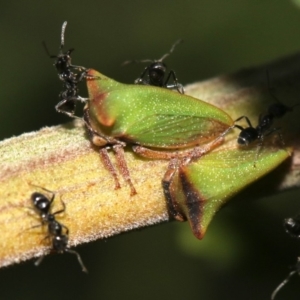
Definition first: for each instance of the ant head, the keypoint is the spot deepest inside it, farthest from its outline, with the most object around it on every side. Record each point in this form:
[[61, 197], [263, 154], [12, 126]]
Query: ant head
[[63, 60], [41, 203], [247, 136], [292, 226], [157, 72]]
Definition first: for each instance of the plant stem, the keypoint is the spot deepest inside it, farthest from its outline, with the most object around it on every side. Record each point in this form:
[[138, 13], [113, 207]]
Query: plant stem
[[61, 159]]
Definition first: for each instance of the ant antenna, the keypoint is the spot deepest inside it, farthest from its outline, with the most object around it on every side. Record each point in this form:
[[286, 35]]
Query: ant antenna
[[135, 61], [171, 50], [271, 89], [277, 109], [46, 49], [282, 284], [62, 42], [62, 37], [40, 187]]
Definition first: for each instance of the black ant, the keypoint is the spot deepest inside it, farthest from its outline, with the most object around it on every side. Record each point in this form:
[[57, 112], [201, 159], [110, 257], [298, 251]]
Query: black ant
[[156, 72], [292, 227], [57, 232], [250, 134], [264, 128], [70, 79]]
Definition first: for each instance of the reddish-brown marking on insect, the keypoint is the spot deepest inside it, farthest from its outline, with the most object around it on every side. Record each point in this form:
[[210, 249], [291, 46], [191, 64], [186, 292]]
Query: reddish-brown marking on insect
[[194, 203]]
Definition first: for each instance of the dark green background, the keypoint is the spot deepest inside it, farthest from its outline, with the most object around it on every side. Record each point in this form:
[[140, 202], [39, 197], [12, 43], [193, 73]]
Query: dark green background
[[245, 253]]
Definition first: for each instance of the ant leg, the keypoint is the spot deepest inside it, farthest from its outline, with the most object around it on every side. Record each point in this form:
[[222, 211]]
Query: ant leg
[[282, 284], [247, 120], [180, 88], [52, 198], [81, 99], [45, 238], [23, 206], [84, 269], [261, 138], [38, 262], [81, 69], [140, 80], [61, 210], [221, 136], [66, 228], [71, 112], [176, 85], [278, 133], [259, 147], [35, 226]]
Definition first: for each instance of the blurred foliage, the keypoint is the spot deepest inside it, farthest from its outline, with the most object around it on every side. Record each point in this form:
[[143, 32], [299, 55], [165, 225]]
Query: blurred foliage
[[296, 2], [245, 252]]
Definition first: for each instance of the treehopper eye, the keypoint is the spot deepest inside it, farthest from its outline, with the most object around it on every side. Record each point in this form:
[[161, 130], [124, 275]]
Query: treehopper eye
[[156, 121], [199, 189]]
